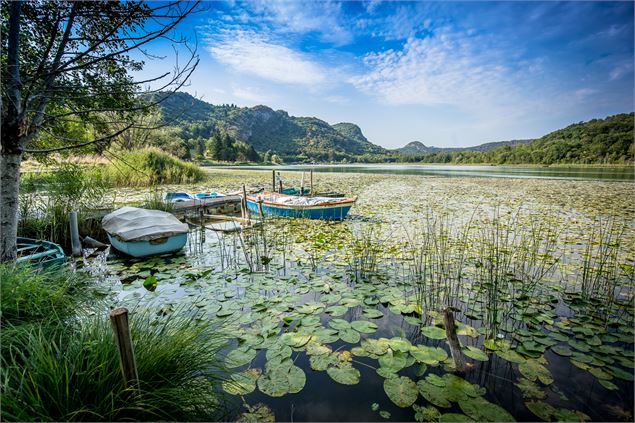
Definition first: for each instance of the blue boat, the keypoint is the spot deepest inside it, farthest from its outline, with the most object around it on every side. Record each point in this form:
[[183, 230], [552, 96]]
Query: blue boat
[[39, 253], [175, 197], [276, 204], [141, 232], [207, 195]]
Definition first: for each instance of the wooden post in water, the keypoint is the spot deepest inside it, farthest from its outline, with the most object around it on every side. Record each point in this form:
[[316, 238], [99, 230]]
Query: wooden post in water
[[453, 340], [76, 246], [245, 203], [119, 320], [312, 193], [262, 214], [280, 185], [273, 181]]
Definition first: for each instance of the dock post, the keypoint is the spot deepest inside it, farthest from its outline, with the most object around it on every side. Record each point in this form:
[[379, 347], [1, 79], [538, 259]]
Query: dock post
[[119, 320], [76, 245], [245, 204], [273, 181], [262, 214], [453, 340], [312, 193]]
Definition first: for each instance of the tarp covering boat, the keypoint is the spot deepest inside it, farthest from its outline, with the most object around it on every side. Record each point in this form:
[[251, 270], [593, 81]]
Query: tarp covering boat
[[135, 224]]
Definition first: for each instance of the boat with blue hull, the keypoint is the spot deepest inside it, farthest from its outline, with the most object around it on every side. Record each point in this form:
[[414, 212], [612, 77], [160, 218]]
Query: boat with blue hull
[[276, 204], [140, 232], [39, 253]]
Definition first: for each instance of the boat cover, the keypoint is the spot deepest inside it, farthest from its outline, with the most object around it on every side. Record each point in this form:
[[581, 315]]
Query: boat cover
[[135, 224]]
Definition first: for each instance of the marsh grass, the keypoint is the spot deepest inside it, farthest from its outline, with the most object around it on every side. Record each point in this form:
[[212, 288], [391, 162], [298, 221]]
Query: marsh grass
[[59, 361], [148, 167]]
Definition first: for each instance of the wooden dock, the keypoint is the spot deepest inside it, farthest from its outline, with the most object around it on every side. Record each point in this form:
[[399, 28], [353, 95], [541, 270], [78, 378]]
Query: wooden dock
[[228, 204]]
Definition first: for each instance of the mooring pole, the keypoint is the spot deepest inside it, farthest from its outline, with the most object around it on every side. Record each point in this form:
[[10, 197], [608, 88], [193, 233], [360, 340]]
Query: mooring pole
[[453, 340], [311, 193], [245, 203], [273, 181], [119, 320], [76, 246]]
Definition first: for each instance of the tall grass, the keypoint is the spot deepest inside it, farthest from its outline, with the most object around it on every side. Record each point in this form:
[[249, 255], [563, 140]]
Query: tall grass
[[147, 167], [59, 360]]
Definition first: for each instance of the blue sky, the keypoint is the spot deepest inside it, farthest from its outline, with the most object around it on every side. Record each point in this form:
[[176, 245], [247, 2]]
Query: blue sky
[[443, 73]]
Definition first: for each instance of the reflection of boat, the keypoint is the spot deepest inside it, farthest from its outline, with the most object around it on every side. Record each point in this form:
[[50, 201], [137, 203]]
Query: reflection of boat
[[175, 197], [39, 253], [275, 204], [141, 232]]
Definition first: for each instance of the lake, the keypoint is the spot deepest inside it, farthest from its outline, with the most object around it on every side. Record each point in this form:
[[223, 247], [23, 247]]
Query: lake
[[533, 172], [340, 321]]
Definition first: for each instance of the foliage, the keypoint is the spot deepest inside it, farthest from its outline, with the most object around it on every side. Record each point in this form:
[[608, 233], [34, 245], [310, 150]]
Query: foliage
[[150, 166], [58, 365]]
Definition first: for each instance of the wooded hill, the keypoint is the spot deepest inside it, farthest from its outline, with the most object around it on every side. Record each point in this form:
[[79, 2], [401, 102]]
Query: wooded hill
[[598, 141], [268, 131]]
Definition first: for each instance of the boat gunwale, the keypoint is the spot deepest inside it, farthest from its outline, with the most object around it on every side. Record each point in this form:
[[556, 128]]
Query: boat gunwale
[[343, 203]]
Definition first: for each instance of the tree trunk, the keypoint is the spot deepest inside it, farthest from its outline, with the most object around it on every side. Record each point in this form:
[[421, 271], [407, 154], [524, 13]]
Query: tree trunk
[[9, 197]]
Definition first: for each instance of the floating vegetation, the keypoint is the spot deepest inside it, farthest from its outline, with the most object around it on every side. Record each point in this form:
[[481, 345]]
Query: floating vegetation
[[540, 283]]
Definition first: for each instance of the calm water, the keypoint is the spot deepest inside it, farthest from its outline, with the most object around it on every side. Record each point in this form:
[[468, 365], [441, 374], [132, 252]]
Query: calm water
[[603, 174]]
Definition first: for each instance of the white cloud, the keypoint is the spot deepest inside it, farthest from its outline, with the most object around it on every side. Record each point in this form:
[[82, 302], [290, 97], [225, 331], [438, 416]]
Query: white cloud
[[447, 69], [250, 53], [250, 94], [621, 70]]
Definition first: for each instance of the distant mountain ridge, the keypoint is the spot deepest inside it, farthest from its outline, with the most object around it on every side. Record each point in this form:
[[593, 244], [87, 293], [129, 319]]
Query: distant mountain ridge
[[271, 130], [417, 147]]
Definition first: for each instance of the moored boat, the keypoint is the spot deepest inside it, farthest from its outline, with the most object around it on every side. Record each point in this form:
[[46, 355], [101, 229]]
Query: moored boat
[[39, 253], [141, 232], [276, 204], [175, 197]]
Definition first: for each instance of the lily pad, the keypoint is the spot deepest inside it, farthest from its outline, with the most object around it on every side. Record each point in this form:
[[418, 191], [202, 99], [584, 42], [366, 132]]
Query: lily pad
[[402, 391], [475, 353], [242, 383], [454, 417], [562, 350], [364, 326], [344, 373], [533, 369], [433, 332], [482, 410], [240, 356], [428, 355], [349, 335], [433, 394]]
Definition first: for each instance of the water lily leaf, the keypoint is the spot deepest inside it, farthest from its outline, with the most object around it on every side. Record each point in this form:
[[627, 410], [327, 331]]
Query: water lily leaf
[[530, 389], [376, 346], [384, 414], [278, 350], [433, 394], [621, 374], [532, 370], [394, 361], [562, 350], [315, 348], [150, 283], [399, 344], [295, 340], [364, 326], [386, 372], [600, 374], [257, 413], [608, 385], [541, 409], [433, 332], [565, 415], [466, 330], [326, 336], [344, 373], [242, 383], [426, 414], [350, 336], [459, 388], [496, 344], [511, 356], [297, 379], [454, 417], [428, 355], [475, 353], [336, 310], [240, 356], [274, 384], [482, 410], [322, 362], [339, 324], [402, 391], [371, 313], [580, 346]]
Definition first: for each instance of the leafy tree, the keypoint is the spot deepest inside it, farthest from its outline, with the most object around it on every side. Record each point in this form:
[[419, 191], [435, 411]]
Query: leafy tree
[[69, 61]]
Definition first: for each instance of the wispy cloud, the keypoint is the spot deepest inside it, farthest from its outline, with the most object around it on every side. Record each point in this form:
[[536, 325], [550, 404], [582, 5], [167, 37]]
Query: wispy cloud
[[251, 53], [620, 71], [447, 69]]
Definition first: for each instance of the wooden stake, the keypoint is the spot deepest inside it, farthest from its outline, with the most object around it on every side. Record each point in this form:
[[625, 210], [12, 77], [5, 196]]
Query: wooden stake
[[262, 214], [453, 340], [245, 204], [119, 320], [311, 193], [273, 181], [76, 246]]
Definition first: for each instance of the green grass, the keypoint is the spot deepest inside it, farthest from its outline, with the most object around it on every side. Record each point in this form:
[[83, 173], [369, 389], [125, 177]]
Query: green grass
[[149, 166], [59, 360]]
